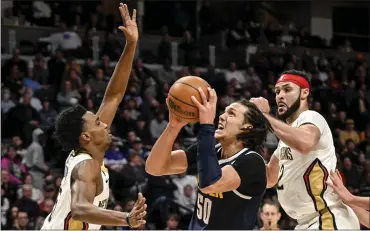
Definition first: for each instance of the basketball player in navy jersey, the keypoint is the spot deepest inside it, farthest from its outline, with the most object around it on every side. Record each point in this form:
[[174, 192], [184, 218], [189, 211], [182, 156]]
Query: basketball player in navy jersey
[[231, 180]]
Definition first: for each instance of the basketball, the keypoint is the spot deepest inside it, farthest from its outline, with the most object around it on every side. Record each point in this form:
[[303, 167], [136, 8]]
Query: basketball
[[179, 97]]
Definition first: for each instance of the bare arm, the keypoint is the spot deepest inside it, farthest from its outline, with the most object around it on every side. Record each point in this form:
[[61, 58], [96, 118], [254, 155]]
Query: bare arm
[[272, 171], [117, 85], [362, 202], [229, 181], [162, 160], [363, 215], [84, 190], [302, 139]]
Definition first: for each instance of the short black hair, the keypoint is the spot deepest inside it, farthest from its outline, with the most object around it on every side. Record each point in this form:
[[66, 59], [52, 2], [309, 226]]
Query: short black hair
[[254, 138], [69, 126], [302, 74]]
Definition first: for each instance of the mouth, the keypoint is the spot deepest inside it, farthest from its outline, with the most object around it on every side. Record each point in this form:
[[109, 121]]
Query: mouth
[[220, 126]]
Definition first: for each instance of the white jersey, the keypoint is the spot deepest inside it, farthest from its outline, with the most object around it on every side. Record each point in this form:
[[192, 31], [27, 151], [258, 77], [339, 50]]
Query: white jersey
[[60, 217], [302, 189]]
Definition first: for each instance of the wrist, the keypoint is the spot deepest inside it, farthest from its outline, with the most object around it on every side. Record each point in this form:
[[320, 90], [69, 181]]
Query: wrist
[[174, 127], [127, 219], [131, 43]]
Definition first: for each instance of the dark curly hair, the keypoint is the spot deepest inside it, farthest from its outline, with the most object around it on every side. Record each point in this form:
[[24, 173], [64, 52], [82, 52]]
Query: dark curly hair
[[68, 127], [253, 138]]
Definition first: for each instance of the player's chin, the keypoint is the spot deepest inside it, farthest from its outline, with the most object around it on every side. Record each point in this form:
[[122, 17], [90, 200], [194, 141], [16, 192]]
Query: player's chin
[[218, 135]]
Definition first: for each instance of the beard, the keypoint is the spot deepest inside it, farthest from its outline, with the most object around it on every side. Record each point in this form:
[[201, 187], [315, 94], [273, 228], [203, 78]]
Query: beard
[[290, 110]]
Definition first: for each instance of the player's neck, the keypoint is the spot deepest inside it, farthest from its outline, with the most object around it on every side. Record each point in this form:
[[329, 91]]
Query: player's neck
[[295, 115], [230, 149], [96, 152]]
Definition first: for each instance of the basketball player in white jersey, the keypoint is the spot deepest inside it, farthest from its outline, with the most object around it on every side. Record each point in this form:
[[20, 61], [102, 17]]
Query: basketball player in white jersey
[[304, 157], [84, 192]]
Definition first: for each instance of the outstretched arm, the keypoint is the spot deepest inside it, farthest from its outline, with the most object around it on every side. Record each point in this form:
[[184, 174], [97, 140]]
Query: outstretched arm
[[337, 184], [85, 177], [118, 83]]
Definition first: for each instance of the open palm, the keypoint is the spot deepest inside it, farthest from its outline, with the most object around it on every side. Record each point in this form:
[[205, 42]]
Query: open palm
[[129, 24]]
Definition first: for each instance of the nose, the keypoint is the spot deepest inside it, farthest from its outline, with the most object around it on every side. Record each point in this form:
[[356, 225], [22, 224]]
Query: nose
[[221, 117]]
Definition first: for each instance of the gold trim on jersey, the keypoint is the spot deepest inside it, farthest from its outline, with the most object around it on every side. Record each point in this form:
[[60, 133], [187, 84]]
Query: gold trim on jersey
[[104, 169], [71, 224], [315, 179]]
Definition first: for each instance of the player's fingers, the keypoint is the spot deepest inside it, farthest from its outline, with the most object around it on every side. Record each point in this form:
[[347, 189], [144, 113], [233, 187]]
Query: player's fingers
[[127, 13], [196, 102], [122, 28], [139, 210], [139, 198], [212, 96], [142, 214], [202, 95], [338, 174], [122, 11], [142, 222], [134, 15]]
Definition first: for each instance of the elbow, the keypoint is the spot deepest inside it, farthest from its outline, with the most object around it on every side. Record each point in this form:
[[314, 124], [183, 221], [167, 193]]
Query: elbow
[[152, 170], [78, 211], [208, 189]]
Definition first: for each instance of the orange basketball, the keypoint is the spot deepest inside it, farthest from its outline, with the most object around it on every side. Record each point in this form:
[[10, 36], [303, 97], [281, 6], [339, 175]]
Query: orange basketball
[[179, 97]]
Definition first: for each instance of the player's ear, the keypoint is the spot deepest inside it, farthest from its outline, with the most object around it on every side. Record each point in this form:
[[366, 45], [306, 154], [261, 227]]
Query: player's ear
[[279, 216], [85, 136], [247, 126], [304, 93]]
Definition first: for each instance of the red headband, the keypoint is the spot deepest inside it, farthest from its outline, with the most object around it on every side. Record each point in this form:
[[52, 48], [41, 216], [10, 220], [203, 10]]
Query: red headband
[[298, 80]]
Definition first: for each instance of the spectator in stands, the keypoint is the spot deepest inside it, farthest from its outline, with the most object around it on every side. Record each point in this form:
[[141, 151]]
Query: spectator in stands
[[14, 81], [23, 222], [68, 97], [21, 120], [138, 148], [26, 203], [133, 176], [34, 158], [164, 50], [106, 67], [73, 74], [349, 133], [10, 188], [56, 66], [6, 101], [350, 152], [114, 159], [47, 208], [39, 71], [173, 222], [37, 194], [5, 205], [167, 74], [185, 194], [132, 108], [17, 142], [190, 48], [351, 175], [66, 39], [34, 101], [112, 46], [232, 73], [239, 36], [270, 216], [158, 125], [359, 109], [142, 130], [14, 61], [13, 163], [98, 84], [47, 115]]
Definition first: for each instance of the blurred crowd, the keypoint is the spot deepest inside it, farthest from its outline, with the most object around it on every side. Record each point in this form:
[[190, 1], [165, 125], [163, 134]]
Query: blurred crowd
[[32, 163]]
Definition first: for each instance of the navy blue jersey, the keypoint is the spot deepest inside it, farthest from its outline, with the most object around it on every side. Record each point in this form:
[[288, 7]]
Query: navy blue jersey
[[235, 209]]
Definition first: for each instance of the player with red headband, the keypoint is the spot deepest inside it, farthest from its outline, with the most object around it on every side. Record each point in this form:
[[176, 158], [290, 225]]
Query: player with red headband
[[305, 155]]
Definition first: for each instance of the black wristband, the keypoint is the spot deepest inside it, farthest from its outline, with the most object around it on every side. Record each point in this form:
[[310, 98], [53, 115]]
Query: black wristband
[[128, 220]]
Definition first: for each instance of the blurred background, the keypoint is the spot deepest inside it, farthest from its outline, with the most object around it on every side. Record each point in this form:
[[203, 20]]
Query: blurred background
[[58, 53]]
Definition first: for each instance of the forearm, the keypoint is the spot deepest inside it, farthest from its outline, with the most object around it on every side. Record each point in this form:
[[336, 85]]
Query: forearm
[[92, 214], [362, 202], [118, 83], [295, 138], [209, 170], [159, 157], [363, 215]]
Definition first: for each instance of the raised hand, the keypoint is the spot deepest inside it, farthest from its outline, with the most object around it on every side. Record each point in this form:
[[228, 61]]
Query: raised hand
[[337, 184], [136, 216], [129, 24], [207, 109], [175, 121]]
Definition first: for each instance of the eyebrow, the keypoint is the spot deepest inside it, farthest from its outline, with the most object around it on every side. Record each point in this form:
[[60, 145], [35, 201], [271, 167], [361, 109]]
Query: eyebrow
[[97, 119]]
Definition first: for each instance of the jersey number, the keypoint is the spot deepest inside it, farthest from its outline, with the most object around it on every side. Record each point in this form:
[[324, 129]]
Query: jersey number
[[204, 206], [280, 186]]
